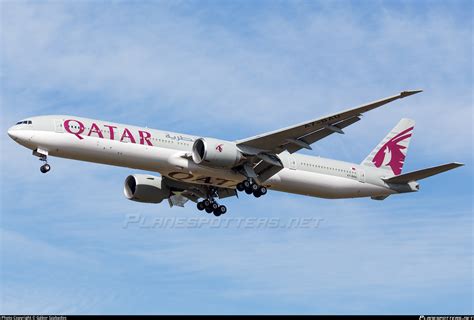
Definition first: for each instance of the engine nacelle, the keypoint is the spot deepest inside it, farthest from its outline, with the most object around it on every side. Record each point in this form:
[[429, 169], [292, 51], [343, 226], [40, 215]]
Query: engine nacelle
[[145, 188], [216, 153]]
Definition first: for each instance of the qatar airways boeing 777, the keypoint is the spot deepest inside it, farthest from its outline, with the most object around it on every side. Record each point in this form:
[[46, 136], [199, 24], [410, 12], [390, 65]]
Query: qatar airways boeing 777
[[204, 169]]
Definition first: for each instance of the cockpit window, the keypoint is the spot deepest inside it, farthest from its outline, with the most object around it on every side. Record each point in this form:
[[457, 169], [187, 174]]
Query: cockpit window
[[24, 122]]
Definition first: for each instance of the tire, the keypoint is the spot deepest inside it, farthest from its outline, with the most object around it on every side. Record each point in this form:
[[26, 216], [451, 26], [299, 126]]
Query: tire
[[200, 206], [255, 187], [214, 206], [257, 194], [222, 209], [208, 210], [217, 212], [240, 186], [248, 191], [206, 203], [247, 184], [263, 190], [45, 168]]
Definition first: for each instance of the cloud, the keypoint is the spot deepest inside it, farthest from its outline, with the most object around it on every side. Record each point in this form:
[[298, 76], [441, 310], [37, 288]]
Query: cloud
[[180, 68]]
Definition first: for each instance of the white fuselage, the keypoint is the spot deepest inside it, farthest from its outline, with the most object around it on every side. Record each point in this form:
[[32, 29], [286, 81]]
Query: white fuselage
[[166, 153]]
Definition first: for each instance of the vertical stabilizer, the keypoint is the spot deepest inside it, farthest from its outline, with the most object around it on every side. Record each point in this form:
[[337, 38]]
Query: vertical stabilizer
[[390, 153]]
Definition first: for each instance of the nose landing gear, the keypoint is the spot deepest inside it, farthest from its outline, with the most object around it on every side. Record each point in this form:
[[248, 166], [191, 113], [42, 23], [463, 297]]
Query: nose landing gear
[[45, 167], [43, 157]]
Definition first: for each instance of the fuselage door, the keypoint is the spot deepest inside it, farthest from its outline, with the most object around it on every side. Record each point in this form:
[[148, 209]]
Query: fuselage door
[[361, 175], [292, 162], [58, 126]]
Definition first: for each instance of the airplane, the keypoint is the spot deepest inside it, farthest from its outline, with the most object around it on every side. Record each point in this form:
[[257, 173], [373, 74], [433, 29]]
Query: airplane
[[204, 169]]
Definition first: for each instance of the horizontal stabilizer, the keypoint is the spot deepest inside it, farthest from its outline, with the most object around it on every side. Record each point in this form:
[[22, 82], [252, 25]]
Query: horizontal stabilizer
[[421, 174]]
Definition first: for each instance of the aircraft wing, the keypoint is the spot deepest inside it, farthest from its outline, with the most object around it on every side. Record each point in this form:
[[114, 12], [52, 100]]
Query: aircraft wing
[[304, 134]]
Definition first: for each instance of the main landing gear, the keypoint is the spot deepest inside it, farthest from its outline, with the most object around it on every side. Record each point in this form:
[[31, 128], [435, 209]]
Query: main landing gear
[[211, 206], [45, 167], [250, 187]]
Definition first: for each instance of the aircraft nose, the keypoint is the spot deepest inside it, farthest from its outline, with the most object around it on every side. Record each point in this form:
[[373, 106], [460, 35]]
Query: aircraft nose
[[12, 132], [16, 134]]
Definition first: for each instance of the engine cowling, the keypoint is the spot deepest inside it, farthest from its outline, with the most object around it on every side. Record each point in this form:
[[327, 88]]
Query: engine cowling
[[216, 153], [145, 188]]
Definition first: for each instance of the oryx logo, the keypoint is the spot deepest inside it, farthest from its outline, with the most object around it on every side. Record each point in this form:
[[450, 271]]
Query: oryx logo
[[220, 147], [392, 153]]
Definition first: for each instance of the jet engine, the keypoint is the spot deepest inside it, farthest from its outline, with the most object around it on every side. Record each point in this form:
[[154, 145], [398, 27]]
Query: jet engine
[[216, 153], [145, 188]]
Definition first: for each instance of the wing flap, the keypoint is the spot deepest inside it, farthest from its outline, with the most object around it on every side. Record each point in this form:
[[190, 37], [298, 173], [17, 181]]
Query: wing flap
[[321, 134], [265, 170]]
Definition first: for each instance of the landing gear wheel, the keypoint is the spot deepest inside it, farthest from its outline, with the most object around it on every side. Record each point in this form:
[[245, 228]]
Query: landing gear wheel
[[257, 194], [240, 186], [45, 168], [214, 206], [247, 184], [262, 190], [200, 206], [209, 210], [207, 203], [248, 190], [222, 209]]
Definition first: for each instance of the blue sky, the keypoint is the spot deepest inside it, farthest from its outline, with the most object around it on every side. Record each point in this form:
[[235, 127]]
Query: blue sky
[[232, 69]]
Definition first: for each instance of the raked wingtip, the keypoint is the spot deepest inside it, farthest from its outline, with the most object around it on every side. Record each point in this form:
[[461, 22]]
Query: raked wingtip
[[407, 93]]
